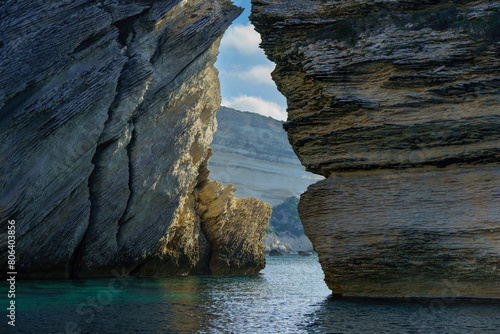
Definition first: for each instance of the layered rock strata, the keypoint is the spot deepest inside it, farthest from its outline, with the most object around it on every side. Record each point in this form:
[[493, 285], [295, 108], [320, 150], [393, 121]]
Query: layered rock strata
[[235, 227], [108, 109], [252, 152], [396, 103]]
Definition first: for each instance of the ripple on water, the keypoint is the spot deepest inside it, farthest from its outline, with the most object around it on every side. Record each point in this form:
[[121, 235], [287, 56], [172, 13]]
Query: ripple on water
[[288, 297]]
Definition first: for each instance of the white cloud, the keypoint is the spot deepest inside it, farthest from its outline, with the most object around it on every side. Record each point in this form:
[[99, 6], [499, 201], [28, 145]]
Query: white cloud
[[259, 74], [242, 38], [257, 105]]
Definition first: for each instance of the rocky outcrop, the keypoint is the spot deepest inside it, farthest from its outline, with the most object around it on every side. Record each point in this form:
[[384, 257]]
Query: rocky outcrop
[[108, 109], [396, 104], [414, 233], [252, 152], [273, 242], [234, 227]]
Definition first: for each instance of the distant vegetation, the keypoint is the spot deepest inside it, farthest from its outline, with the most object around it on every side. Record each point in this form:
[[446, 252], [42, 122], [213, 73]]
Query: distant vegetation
[[285, 218]]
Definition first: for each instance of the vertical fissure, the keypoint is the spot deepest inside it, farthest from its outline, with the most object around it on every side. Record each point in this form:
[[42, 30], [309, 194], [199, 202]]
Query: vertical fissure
[[75, 259], [125, 28], [122, 220]]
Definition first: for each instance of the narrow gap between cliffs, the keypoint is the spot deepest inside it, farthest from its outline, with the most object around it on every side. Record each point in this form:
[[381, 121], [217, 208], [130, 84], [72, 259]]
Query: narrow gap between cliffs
[[251, 148]]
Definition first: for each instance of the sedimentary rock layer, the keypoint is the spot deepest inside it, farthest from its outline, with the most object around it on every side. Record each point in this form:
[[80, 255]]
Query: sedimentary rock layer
[[389, 86], [252, 152], [234, 227], [416, 233], [108, 109]]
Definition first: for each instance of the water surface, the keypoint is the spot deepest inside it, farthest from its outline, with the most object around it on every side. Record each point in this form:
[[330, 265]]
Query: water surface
[[288, 297]]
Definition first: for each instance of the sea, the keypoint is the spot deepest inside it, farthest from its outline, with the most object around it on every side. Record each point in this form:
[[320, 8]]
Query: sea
[[289, 296]]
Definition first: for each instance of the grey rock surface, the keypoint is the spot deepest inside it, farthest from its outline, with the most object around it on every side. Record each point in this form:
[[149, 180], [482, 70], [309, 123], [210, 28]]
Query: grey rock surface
[[398, 94], [108, 109], [272, 242], [252, 152]]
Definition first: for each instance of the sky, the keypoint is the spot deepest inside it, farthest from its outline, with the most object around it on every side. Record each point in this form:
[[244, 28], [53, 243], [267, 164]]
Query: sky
[[245, 72]]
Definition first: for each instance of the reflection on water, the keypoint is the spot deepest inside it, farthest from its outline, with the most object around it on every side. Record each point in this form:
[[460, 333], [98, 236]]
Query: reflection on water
[[277, 301], [405, 316], [288, 297]]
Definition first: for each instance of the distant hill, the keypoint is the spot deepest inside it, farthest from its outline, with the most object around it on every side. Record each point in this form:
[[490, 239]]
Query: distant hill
[[252, 135], [285, 223], [252, 152], [285, 218]]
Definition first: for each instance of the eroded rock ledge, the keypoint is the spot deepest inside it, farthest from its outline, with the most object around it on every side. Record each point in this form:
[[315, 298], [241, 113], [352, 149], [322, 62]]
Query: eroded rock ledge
[[107, 111], [396, 103]]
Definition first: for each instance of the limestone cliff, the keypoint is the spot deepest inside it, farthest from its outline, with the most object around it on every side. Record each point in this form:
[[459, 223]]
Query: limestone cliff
[[107, 111], [396, 103], [252, 152]]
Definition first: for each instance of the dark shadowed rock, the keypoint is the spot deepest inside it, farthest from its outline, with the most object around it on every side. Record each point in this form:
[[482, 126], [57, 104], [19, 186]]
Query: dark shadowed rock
[[275, 252], [108, 109]]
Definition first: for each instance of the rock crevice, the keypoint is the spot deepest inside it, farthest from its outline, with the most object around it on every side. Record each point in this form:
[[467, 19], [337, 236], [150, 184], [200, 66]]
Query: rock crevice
[[109, 110]]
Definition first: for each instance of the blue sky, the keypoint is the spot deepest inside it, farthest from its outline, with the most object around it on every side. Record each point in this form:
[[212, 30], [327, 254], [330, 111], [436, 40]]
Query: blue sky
[[245, 72]]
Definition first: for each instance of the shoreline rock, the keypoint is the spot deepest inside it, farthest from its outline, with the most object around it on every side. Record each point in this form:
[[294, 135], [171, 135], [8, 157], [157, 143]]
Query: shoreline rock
[[109, 111], [395, 103]]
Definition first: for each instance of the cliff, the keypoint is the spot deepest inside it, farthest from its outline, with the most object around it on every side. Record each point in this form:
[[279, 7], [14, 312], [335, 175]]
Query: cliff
[[108, 109], [252, 152], [396, 103]]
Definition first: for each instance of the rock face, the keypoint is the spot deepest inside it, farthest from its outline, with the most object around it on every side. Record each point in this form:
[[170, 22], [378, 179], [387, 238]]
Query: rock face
[[108, 109], [273, 242], [252, 152], [234, 227], [396, 103]]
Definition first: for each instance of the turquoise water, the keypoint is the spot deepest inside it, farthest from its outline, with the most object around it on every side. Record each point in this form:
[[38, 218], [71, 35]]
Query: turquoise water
[[288, 297]]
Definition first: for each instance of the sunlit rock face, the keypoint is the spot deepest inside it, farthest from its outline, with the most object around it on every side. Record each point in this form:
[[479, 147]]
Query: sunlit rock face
[[235, 227], [252, 153], [396, 103], [107, 111]]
